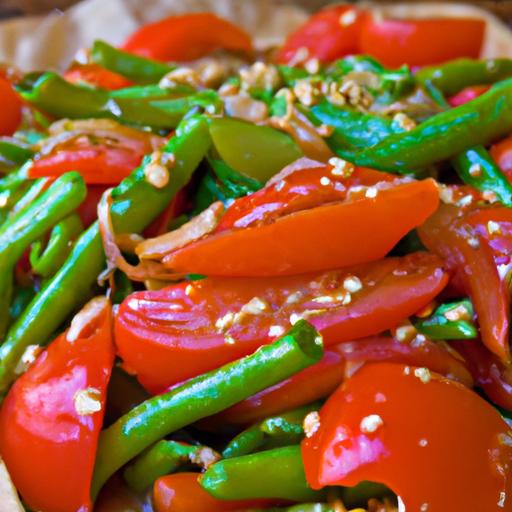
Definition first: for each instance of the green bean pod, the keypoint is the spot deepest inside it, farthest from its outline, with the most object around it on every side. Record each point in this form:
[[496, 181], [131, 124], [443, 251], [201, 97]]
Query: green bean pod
[[46, 262], [136, 204], [203, 396], [136, 68], [443, 136], [476, 167], [277, 473], [164, 458]]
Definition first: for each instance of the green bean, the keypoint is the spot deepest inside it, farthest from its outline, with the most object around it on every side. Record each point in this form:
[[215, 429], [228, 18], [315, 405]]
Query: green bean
[[164, 458], [203, 396], [46, 263], [277, 473]]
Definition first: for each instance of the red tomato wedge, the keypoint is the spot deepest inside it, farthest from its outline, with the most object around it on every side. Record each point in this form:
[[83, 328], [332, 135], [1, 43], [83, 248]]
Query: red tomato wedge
[[327, 35], [187, 37], [53, 415], [434, 442], [10, 108], [181, 492], [470, 253], [94, 75], [339, 362], [421, 42], [170, 335], [502, 154], [361, 228], [490, 374]]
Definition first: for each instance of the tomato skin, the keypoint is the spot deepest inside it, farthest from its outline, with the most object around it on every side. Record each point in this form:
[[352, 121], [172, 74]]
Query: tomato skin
[[468, 94], [325, 35], [181, 492], [473, 258], [320, 380], [99, 165], [333, 235], [187, 37], [422, 441], [95, 76], [421, 42], [10, 108], [39, 419], [170, 335], [502, 154]]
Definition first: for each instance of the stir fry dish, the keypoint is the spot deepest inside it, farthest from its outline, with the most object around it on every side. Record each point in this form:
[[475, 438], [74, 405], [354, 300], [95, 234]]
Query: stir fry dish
[[235, 279]]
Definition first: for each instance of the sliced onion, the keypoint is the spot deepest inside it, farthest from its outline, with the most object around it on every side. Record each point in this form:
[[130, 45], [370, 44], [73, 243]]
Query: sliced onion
[[144, 270], [198, 227]]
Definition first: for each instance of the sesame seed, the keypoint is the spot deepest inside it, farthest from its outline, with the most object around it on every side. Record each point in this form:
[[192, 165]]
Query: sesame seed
[[404, 121], [348, 18], [423, 443], [371, 423], [347, 299], [324, 299], [341, 167], [325, 130], [225, 321], [505, 439], [204, 457], [276, 330], [293, 298], [458, 313], [475, 170], [493, 227], [156, 175], [405, 333], [319, 340], [312, 66], [423, 374], [255, 306], [446, 194], [465, 201], [424, 507], [229, 340], [418, 340], [473, 242], [490, 196], [189, 289], [294, 318], [501, 501], [352, 284], [87, 401], [325, 181], [407, 370], [311, 423], [371, 192]]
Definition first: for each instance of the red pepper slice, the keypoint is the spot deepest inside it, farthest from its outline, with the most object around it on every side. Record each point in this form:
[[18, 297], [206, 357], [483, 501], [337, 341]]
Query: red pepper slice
[[10, 108], [52, 416], [490, 374], [95, 76], [434, 442], [362, 228], [472, 257], [502, 154], [170, 335], [468, 94], [187, 37], [421, 42], [327, 35], [181, 492], [321, 379]]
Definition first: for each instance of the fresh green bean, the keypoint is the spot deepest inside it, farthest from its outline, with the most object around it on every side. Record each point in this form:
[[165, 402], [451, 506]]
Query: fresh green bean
[[203, 396]]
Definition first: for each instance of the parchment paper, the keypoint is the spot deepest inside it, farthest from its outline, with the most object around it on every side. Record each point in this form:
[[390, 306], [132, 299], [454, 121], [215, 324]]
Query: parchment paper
[[53, 40]]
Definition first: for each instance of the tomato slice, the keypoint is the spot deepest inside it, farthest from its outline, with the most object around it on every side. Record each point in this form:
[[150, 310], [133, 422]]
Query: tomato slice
[[473, 256], [53, 415], [279, 240], [327, 35], [421, 42], [502, 154], [10, 108], [181, 492], [95, 76], [187, 37], [468, 94], [339, 362], [434, 442], [170, 335]]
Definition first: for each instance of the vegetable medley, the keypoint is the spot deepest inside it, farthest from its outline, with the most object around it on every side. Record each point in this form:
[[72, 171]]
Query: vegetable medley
[[235, 280]]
